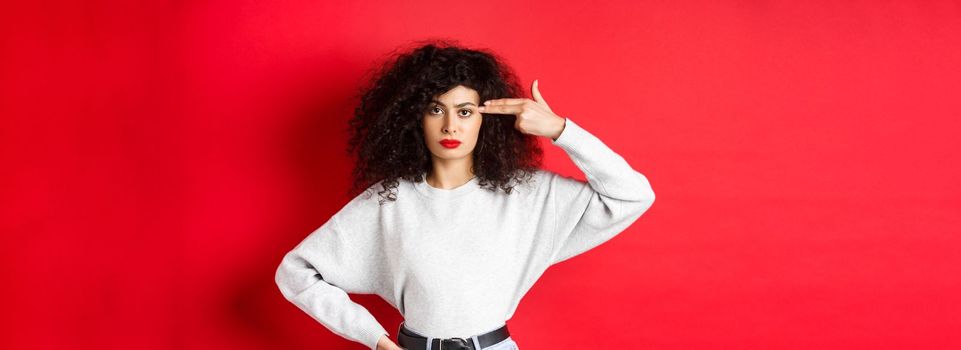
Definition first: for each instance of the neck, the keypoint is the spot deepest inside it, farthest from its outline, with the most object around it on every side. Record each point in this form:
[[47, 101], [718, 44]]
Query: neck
[[450, 173]]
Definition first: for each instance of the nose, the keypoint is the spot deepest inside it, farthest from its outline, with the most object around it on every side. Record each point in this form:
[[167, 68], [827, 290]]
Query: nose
[[450, 126]]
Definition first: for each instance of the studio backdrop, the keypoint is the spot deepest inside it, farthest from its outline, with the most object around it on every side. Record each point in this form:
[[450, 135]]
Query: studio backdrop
[[160, 157]]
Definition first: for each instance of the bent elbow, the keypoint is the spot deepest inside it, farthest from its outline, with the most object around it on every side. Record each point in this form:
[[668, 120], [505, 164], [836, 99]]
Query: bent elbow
[[639, 207], [281, 281], [285, 279], [640, 191], [649, 198]]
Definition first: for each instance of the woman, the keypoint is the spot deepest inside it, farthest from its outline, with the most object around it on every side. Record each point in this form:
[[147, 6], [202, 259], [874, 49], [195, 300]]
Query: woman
[[465, 221]]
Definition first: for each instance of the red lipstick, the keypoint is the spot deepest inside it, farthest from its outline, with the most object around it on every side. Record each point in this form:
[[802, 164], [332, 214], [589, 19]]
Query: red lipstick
[[450, 143]]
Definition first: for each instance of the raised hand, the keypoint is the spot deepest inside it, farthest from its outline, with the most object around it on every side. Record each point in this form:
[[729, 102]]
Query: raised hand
[[533, 116]]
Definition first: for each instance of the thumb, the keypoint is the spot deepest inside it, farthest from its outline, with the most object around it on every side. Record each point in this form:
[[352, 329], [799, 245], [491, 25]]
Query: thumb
[[537, 94]]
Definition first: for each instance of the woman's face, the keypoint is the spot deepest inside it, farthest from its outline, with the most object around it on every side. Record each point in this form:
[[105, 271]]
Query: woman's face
[[453, 116]]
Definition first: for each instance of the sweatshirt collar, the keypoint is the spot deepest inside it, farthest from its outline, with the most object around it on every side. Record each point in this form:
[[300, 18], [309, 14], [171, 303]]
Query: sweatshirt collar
[[430, 191]]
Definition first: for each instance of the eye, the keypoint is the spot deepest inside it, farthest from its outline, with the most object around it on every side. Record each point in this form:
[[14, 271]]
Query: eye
[[433, 110], [469, 112]]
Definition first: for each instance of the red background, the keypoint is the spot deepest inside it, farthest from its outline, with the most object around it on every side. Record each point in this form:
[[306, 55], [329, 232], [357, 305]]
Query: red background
[[160, 157]]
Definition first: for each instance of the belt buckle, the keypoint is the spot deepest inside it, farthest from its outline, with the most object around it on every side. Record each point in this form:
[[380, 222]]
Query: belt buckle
[[459, 344]]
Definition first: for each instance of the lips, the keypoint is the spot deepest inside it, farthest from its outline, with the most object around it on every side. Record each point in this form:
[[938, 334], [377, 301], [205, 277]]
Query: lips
[[449, 143]]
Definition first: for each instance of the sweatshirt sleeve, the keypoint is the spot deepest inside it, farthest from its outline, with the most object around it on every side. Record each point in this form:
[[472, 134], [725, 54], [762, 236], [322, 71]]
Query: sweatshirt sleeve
[[319, 272], [590, 213]]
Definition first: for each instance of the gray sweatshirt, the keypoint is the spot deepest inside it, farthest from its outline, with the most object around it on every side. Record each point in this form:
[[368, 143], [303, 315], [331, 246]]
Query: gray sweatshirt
[[456, 262]]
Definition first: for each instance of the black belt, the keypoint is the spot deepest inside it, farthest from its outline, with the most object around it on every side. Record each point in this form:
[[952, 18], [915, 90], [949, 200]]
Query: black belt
[[407, 339]]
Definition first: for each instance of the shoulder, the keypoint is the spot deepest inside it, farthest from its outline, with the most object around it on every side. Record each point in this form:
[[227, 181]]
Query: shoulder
[[542, 176], [363, 207], [552, 182], [542, 181], [545, 176], [528, 183]]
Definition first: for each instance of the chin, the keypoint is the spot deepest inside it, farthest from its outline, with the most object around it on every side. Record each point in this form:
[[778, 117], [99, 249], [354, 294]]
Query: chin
[[448, 155]]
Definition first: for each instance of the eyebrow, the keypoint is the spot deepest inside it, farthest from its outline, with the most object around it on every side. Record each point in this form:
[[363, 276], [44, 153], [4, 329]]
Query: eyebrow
[[459, 105]]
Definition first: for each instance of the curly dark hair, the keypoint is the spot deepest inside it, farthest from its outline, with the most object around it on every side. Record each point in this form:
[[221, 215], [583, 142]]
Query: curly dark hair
[[386, 134]]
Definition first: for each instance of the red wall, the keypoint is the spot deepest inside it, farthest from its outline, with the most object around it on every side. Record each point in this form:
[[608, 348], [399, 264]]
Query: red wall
[[159, 158]]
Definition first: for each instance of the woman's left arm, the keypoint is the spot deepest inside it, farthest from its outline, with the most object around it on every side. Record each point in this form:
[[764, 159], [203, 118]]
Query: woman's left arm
[[586, 214]]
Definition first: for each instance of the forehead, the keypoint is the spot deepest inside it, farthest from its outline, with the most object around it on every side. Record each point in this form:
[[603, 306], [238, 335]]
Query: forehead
[[458, 94]]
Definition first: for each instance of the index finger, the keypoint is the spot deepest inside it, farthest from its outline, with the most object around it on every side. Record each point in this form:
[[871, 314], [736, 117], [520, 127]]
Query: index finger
[[502, 109]]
